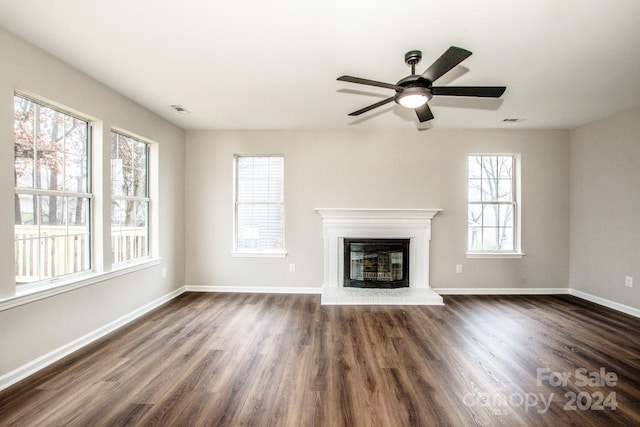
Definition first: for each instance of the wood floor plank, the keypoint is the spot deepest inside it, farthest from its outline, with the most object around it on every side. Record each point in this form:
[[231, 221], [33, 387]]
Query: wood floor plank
[[285, 360]]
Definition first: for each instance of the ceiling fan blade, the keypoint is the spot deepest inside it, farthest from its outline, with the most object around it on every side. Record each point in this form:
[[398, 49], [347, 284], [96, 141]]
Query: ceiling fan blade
[[424, 113], [452, 57], [481, 91], [372, 106], [358, 80]]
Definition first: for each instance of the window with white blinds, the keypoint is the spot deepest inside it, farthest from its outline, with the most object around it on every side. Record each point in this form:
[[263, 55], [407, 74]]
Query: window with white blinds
[[259, 204]]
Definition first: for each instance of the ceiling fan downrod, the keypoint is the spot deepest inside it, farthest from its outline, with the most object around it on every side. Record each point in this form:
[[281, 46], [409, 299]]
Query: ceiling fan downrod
[[412, 58]]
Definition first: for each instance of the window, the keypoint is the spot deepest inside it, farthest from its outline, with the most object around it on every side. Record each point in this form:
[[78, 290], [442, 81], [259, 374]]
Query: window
[[493, 209], [129, 198], [52, 192], [259, 205]]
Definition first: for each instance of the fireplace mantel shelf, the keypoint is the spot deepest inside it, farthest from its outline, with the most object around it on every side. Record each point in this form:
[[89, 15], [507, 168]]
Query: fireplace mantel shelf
[[413, 224], [363, 213]]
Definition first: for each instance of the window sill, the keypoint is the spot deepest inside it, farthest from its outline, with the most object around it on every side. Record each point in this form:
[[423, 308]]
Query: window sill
[[495, 255], [48, 290], [263, 254]]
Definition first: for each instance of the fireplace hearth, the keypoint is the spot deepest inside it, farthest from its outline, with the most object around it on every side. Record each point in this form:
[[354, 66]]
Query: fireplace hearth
[[376, 263]]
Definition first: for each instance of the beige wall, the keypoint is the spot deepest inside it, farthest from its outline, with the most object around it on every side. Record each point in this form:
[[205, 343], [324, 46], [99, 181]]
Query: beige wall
[[381, 169], [605, 207], [32, 330]]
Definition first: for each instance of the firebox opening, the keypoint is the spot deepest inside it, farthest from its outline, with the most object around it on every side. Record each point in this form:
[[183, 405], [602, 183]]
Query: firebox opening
[[376, 263]]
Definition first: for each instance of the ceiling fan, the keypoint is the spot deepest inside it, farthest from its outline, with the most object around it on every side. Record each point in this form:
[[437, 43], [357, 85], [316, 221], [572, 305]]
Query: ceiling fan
[[416, 90]]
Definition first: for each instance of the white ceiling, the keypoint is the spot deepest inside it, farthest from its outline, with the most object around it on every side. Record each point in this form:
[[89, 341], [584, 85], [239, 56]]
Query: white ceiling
[[273, 64]]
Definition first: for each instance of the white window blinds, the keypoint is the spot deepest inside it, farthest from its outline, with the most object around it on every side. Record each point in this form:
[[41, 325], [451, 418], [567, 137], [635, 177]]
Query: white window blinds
[[259, 205]]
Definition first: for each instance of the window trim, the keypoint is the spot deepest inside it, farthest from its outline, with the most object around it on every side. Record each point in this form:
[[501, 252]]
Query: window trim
[[255, 253], [147, 199], [98, 174], [52, 282], [30, 292], [516, 202]]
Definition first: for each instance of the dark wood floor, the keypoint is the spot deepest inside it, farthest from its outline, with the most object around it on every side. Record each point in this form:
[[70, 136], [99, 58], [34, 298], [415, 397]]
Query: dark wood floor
[[243, 360]]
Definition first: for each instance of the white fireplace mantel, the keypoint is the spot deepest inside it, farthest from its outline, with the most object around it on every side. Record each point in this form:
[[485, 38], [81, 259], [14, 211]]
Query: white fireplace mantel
[[412, 224]]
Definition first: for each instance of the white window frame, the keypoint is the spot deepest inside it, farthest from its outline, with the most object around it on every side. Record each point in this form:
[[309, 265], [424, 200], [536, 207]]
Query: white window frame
[[255, 253], [146, 199], [98, 177], [48, 282], [516, 202]]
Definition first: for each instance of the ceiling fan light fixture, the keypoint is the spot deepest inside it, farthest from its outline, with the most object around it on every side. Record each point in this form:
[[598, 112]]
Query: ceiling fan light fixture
[[413, 97]]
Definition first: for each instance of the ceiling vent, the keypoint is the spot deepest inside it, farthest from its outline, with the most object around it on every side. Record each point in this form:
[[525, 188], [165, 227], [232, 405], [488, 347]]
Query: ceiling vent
[[180, 109], [513, 120]]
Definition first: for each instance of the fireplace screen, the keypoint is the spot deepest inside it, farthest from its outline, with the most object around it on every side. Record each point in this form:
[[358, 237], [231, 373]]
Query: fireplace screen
[[376, 263]]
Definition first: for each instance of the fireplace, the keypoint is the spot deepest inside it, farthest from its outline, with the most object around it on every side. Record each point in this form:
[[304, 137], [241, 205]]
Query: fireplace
[[376, 263], [413, 225]]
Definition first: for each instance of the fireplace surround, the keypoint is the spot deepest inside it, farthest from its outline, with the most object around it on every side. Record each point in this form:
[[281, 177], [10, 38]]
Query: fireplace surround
[[339, 224]]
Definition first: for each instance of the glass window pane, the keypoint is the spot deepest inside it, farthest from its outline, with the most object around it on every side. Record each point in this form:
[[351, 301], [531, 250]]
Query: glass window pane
[[77, 213], [490, 215], [52, 215], [475, 238], [75, 136], [505, 190], [50, 129], [490, 238], [75, 174], [489, 167], [24, 171], [27, 258], [489, 190], [139, 183], [118, 208], [142, 230], [49, 170], [125, 151], [474, 190], [23, 125], [505, 242], [475, 215], [25, 206], [474, 165], [53, 256], [78, 253], [506, 216], [505, 167]]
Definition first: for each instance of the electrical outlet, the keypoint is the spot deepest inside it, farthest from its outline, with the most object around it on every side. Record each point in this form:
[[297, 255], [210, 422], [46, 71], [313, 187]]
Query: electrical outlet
[[628, 281], [459, 268], [164, 273], [292, 268]]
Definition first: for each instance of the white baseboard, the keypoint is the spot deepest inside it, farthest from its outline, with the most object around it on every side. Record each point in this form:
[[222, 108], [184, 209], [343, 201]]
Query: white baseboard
[[541, 291], [255, 289], [41, 362], [605, 302], [502, 291]]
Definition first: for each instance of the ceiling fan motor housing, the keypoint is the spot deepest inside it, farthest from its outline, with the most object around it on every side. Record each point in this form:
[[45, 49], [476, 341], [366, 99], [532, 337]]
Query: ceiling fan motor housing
[[413, 85]]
